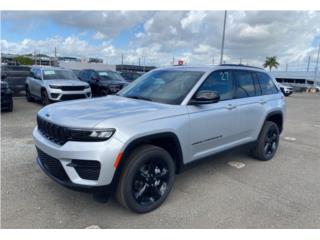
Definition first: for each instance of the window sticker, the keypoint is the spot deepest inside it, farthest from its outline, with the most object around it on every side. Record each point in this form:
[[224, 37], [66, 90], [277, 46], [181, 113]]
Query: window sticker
[[48, 72], [103, 74], [224, 76]]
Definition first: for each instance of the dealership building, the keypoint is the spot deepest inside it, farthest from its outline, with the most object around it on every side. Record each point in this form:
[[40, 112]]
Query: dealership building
[[306, 79]]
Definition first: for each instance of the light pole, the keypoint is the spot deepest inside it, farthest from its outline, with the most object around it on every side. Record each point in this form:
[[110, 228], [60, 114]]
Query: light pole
[[316, 68], [223, 36]]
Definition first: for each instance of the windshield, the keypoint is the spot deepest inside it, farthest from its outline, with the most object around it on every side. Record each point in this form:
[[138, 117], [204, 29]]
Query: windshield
[[165, 86], [58, 74], [109, 75]]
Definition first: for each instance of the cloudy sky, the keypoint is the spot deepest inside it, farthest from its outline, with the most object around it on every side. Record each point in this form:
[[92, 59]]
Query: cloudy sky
[[158, 36]]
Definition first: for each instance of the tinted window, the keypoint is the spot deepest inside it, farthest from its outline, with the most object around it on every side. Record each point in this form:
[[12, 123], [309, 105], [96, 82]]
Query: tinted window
[[220, 82], [244, 84], [266, 83], [163, 86], [49, 74]]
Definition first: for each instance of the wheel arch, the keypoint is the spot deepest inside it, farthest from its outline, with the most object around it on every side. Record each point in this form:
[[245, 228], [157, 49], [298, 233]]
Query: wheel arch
[[276, 117], [167, 140]]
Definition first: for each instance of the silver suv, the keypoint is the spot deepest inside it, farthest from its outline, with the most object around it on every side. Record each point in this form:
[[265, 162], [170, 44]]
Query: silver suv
[[52, 84], [133, 143]]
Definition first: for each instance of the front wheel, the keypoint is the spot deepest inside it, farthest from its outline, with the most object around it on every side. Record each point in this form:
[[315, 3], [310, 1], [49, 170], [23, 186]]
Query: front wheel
[[146, 180], [267, 143], [28, 95], [44, 98]]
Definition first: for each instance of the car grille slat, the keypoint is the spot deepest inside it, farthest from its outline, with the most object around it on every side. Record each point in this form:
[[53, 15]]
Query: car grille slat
[[55, 133], [72, 88]]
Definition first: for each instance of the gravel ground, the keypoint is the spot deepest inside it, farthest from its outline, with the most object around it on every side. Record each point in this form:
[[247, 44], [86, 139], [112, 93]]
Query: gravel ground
[[231, 190]]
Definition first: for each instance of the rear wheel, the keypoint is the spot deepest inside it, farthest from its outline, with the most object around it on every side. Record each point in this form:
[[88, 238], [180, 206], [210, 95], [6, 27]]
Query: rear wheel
[[146, 180], [44, 98], [267, 143]]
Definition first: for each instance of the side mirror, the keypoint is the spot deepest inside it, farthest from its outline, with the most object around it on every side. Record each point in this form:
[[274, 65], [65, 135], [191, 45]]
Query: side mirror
[[205, 97]]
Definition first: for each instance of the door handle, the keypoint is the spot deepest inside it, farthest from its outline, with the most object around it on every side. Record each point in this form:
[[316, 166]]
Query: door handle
[[230, 107], [262, 101]]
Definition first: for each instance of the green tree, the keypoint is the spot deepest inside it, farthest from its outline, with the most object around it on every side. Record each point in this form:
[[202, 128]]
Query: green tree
[[23, 60], [271, 62]]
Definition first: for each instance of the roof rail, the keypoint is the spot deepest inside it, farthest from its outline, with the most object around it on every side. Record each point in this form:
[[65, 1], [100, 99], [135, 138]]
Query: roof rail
[[239, 65]]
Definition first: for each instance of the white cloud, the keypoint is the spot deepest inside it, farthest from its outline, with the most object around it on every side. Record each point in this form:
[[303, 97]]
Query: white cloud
[[194, 36]]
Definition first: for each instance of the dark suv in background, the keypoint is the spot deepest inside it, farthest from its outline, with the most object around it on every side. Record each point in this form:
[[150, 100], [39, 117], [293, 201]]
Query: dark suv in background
[[15, 76], [103, 83]]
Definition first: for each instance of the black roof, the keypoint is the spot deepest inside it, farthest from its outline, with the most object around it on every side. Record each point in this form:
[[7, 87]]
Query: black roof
[[239, 65]]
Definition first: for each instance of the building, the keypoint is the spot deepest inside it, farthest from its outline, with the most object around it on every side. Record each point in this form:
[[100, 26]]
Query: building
[[133, 68], [297, 79]]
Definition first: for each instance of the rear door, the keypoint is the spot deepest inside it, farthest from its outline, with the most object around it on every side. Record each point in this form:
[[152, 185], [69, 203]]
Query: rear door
[[250, 112]]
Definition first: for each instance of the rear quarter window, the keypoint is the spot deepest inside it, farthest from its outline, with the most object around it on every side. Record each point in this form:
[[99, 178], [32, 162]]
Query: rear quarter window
[[266, 84]]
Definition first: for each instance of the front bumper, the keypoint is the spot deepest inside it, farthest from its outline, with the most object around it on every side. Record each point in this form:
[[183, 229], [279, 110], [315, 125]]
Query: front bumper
[[57, 95], [103, 152]]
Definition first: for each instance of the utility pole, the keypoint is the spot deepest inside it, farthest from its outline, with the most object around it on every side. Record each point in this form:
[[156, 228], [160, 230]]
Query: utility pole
[[144, 63], [286, 67], [316, 68], [240, 61], [139, 61], [121, 62], [173, 60], [223, 36], [309, 58]]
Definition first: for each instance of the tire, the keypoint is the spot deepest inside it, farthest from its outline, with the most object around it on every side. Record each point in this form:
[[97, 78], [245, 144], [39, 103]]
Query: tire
[[10, 108], [146, 180], [28, 95], [44, 98], [267, 143], [104, 92]]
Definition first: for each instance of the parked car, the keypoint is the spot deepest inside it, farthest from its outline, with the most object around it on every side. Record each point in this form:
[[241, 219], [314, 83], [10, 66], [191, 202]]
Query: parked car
[[130, 76], [52, 84], [15, 76], [286, 90], [132, 144], [103, 83], [6, 97]]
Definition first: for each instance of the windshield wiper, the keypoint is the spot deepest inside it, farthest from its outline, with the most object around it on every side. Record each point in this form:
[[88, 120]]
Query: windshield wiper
[[139, 97]]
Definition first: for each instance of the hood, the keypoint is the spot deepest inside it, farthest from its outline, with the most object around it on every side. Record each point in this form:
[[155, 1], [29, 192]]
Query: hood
[[62, 82], [110, 111]]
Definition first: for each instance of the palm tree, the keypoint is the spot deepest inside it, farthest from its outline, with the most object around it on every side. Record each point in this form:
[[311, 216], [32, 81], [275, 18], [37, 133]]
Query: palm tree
[[271, 62]]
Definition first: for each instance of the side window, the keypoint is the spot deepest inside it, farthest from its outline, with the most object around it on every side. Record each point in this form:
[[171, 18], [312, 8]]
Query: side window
[[93, 74], [220, 82], [244, 84], [266, 83], [37, 74]]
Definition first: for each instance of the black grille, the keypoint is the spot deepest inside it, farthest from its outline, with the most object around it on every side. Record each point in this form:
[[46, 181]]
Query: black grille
[[53, 132], [72, 96], [87, 169], [53, 166], [72, 88]]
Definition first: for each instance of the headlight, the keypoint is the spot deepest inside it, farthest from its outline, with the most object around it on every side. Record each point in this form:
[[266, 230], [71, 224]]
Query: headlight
[[91, 135], [54, 87]]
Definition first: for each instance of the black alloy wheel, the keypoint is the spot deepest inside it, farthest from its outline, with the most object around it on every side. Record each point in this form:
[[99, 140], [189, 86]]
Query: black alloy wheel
[[267, 143], [146, 180]]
